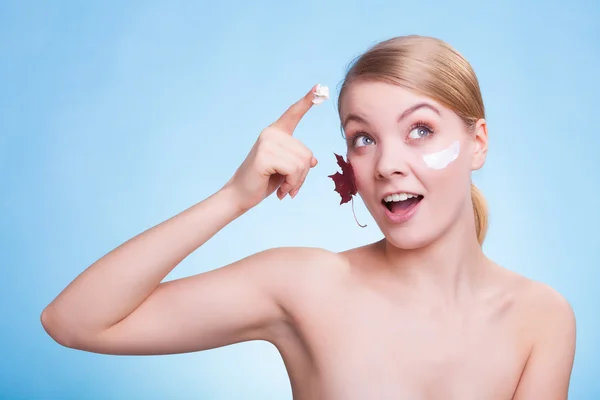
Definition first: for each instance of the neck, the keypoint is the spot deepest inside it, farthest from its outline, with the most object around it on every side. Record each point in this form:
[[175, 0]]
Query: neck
[[450, 269]]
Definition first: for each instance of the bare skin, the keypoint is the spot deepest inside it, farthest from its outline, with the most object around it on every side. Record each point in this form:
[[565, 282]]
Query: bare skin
[[358, 334], [440, 321]]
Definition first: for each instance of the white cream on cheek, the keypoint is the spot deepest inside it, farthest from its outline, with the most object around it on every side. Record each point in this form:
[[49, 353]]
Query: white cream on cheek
[[442, 159]]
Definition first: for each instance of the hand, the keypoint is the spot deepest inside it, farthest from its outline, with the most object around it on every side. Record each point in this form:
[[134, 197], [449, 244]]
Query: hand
[[276, 160]]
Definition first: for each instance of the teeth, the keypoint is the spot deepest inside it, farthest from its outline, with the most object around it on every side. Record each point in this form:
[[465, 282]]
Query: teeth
[[399, 197]]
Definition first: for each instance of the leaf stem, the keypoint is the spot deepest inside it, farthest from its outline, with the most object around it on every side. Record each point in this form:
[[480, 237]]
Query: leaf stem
[[353, 212]]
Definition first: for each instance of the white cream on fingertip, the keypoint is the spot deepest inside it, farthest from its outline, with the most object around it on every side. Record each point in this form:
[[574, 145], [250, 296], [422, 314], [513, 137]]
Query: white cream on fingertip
[[320, 94], [442, 159]]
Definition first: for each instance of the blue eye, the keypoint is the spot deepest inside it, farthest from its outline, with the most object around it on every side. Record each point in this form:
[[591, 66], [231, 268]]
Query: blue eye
[[420, 132], [362, 140]]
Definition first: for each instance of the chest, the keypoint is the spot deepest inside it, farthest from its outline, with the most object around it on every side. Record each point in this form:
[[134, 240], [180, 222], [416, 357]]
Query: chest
[[368, 350]]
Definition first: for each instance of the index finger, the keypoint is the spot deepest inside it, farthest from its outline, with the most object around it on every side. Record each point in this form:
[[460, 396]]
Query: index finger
[[290, 119]]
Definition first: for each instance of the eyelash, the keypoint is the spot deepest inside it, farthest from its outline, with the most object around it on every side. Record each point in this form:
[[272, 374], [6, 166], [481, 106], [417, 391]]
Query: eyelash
[[423, 124], [351, 140]]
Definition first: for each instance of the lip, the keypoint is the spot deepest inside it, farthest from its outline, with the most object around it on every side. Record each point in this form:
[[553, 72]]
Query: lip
[[399, 219]]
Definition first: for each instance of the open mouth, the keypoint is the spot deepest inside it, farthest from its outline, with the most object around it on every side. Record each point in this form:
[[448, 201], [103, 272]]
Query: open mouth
[[401, 203]]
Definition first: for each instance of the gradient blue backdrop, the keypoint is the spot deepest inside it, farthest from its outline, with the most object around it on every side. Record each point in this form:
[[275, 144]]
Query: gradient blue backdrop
[[116, 115]]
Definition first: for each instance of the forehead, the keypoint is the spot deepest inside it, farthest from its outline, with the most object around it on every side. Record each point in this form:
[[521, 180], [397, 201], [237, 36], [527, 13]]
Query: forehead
[[379, 98]]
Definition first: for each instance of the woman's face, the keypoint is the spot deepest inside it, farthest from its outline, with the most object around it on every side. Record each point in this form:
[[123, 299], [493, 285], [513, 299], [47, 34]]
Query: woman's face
[[402, 142]]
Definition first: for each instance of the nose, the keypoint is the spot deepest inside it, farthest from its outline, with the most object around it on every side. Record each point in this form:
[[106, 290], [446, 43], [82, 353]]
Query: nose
[[392, 161]]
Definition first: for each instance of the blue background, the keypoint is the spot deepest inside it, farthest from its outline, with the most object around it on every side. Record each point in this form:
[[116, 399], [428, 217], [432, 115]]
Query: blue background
[[115, 116]]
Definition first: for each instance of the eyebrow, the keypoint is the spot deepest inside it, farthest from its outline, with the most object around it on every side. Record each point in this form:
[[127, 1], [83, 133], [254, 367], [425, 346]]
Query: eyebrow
[[406, 113], [414, 108]]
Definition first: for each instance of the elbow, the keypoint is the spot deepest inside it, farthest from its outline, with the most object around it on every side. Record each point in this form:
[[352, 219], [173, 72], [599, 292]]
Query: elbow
[[56, 329]]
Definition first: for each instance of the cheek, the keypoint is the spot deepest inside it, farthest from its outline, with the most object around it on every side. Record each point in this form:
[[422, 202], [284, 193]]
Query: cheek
[[440, 160], [363, 178], [360, 177], [445, 173]]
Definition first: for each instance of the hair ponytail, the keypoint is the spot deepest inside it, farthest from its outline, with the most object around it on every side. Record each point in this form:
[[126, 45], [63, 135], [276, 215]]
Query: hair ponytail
[[481, 213]]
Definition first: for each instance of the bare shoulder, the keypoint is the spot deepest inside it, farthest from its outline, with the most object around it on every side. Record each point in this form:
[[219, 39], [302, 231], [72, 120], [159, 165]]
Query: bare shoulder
[[537, 301], [552, 319], [549, 301], [296, 262], [297, 272], [544, 307], [549, 328]]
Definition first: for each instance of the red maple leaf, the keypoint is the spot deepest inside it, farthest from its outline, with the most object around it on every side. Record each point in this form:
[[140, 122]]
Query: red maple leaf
[[345, 184]]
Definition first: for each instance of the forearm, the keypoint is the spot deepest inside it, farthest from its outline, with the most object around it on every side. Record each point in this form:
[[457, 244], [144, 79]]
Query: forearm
[[115, 285]]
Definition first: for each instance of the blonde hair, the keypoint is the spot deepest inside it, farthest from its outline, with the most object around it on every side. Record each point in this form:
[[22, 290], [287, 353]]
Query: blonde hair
[[433, 68]]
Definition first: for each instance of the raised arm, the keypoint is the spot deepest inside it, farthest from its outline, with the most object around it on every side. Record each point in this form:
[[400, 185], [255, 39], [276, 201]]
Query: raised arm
[[118, 305]]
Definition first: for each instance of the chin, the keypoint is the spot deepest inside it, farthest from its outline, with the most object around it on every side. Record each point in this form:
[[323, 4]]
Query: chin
[[409, 239]]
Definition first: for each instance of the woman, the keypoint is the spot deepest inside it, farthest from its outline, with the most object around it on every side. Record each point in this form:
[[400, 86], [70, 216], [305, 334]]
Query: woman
[[421, 314]]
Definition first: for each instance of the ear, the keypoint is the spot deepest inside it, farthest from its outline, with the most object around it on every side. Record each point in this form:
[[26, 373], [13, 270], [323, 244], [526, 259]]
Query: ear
[[480, 144]]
